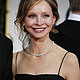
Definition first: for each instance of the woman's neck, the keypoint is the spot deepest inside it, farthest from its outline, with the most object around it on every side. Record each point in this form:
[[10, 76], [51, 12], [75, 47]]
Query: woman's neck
[[40, 46]]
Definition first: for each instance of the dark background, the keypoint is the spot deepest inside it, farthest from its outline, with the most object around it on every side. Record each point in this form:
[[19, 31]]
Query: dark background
[[2, 16]]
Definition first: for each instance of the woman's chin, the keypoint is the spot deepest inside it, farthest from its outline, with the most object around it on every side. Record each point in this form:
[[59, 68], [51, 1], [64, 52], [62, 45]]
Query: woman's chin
[[39, 36]]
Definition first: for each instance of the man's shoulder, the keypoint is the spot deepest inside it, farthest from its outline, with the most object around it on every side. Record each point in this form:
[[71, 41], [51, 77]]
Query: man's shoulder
[[5, 41], [3, 38], [64, 23], [68, 23]]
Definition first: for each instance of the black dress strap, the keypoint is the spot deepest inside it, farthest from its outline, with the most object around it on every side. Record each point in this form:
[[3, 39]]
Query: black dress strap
[[62, 62], [16, 62]]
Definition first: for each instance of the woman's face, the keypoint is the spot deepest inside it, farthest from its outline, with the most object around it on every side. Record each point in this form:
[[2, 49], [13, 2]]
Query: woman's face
[[39, 20]]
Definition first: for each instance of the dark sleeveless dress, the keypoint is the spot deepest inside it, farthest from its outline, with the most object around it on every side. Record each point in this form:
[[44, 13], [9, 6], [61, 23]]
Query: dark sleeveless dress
[[40, 76]]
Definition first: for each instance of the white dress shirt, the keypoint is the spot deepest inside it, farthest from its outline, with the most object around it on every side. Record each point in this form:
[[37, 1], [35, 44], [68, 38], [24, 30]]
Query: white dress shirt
[[75, 17]]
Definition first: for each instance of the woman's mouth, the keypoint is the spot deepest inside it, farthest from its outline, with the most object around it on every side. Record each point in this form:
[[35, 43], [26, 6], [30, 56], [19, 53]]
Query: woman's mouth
[[38, 30]]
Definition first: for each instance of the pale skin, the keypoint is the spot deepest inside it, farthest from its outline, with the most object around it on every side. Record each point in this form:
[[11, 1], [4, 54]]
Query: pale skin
[[38, 18]]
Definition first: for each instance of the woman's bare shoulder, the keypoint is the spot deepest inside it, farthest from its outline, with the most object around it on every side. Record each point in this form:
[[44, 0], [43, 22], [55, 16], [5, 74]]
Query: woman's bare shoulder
[[71, 66], [71, 58], [17, 54], [16, 59]]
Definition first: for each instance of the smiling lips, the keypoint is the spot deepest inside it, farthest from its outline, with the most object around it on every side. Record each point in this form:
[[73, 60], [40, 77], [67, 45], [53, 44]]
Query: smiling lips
[[39, 29]]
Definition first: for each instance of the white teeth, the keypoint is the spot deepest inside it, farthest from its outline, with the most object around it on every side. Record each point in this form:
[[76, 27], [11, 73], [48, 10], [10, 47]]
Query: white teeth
[[39, 26], [39, 29], [43, 26]]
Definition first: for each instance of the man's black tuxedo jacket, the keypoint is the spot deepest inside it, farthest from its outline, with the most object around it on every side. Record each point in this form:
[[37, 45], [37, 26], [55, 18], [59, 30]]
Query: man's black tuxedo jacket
[[6, 49], [68, 36]]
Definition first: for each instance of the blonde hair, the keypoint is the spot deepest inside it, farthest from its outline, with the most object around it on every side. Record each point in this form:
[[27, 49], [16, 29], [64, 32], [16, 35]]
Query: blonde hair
[[26, 5]]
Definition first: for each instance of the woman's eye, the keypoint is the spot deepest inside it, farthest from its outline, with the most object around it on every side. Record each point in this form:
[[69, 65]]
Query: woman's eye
[[32, 16], [46, 15]]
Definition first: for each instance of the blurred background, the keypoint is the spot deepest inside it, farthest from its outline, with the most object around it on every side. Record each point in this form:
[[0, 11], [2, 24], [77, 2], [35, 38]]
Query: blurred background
[[8, 10]]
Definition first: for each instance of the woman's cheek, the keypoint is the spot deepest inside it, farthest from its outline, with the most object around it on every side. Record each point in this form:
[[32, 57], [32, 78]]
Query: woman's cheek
[[29, 23], [49, 22]]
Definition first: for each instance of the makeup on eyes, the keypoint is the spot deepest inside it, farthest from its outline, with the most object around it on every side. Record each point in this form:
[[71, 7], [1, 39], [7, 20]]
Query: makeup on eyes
[[32, 14]]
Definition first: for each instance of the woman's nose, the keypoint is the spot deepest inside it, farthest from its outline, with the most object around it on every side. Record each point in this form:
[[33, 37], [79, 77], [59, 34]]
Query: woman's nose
[[39, 20]]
